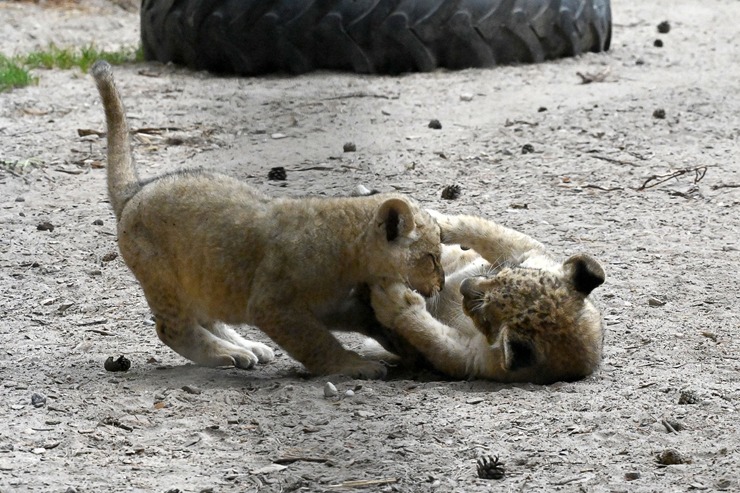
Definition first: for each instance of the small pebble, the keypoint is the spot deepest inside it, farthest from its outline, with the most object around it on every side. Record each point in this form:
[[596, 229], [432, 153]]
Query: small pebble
[[658, 43], [38, 451], [527, 149], [541, 109], [710, 335], [349, 393], [653, 301], [109, 257], [330, 390], [191, 389], [659, 113], [640, 61], [349, 147], [664, 27], [278, 135], [467, 97], [175, 141], [38, 400], [362, 191], [631, 476], [688, 397], [98, 222], [672, 457], [20, 199], [723, 484], [45, 226], [435, 124], [672, 424]]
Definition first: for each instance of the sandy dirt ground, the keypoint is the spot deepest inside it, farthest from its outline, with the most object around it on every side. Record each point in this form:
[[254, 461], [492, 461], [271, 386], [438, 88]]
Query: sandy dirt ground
[[671, 373]]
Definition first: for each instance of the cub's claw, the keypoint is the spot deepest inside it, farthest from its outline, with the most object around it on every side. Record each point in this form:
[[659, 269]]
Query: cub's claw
[[245, 360]]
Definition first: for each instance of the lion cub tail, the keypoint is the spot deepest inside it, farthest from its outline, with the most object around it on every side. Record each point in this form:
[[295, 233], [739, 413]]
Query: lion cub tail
[[123, 182]]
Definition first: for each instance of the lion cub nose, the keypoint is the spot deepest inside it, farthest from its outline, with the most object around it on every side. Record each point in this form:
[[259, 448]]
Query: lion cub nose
[[467, 288]]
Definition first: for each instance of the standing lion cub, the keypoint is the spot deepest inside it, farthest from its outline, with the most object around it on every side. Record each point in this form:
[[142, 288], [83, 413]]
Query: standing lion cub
[[208, 249]]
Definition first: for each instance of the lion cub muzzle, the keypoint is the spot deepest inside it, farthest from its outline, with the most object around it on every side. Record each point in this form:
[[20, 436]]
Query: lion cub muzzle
[[474, 306], [438, 279], [473, 295]]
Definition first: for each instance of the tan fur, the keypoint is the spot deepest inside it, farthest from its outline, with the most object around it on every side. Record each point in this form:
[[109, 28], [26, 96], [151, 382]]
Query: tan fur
[[508, 311], [208, 249]]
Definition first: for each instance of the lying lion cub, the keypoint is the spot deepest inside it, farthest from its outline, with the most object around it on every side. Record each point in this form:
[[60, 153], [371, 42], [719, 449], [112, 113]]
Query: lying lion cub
[[508, 311], [207, 248]]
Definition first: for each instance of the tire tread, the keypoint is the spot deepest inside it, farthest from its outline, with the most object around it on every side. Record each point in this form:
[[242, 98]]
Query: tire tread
[[250, 37]]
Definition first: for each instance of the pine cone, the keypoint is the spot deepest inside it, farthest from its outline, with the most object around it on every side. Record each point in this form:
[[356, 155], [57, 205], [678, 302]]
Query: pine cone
[[451, 192], [277, 174], [490, 468]]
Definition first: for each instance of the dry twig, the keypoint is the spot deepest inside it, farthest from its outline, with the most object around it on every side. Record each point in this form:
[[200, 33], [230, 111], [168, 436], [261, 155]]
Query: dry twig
[[289, 459], [84, 132], [668, 426], [655, 180], [725, 185], [588, 78], [603, 189], [364, 483], [361, 94], [612, 160]]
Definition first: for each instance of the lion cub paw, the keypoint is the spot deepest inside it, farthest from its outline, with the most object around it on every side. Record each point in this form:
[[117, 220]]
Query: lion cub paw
[[355, 366], [393, 301], [244, 360], [262, 352], [365, 370], [239, 357], [449, 225]]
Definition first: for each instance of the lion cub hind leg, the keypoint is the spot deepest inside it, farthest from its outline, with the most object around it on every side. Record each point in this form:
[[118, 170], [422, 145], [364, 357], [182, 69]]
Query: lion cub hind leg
[[263, 352], [188, 339], [307, 340]]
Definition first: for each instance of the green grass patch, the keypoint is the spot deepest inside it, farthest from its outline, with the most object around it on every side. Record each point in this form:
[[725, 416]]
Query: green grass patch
[[13, 74], [15, 71], [83, 58]]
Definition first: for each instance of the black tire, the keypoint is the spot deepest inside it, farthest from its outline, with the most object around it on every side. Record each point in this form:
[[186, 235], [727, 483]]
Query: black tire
[[370, 36]]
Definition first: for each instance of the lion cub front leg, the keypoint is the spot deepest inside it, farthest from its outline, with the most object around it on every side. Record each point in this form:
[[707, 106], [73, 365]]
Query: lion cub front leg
[[493, 242], [307, 340], [446, 348]]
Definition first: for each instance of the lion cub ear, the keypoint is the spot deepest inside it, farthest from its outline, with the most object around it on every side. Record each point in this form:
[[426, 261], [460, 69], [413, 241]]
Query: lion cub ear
[[396, 218], [518, 355], [584, 273]]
